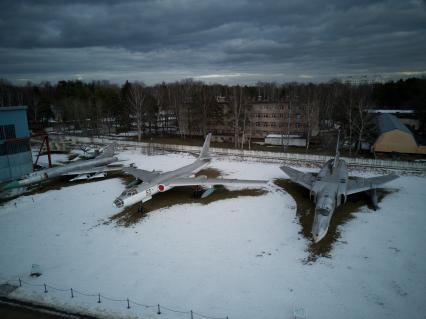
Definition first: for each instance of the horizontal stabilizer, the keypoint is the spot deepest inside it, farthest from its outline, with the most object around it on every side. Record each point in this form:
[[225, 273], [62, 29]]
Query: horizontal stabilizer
[[108, 151], [141, 174]]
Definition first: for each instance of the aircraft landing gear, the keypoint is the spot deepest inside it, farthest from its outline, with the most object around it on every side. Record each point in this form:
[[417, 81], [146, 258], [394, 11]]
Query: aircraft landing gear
[[140, 209], [373, 196], [198, 191]]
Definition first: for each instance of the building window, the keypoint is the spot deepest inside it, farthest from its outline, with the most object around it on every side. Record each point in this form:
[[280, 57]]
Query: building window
[[9, 132], [257, 123], [15, 147], [265, 124], [265, 115], [2, 137]]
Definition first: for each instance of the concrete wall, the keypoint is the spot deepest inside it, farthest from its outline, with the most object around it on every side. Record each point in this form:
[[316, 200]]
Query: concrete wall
[[293, 141], [275, 157]]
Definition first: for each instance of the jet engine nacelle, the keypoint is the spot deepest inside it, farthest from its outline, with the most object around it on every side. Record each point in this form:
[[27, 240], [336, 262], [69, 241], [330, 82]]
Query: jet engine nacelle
[[340, 199], [208, 192]]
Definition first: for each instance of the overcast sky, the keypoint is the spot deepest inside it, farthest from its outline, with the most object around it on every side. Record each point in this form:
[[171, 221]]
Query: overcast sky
[[224, 41]]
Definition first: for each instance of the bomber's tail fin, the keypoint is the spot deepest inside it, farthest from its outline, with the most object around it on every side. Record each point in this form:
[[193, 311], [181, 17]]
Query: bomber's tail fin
[[108, 151], [205, 150]]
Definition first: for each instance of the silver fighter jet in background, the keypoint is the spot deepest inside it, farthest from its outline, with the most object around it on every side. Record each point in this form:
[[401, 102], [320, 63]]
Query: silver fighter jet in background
[[330, 188], [83, 169], [151, 183]]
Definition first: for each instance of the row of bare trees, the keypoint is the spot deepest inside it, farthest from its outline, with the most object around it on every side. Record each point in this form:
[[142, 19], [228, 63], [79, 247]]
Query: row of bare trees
[[196, 107]]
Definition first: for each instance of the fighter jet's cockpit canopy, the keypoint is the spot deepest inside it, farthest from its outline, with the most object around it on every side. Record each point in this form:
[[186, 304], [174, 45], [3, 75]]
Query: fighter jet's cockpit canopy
[[322, 211]]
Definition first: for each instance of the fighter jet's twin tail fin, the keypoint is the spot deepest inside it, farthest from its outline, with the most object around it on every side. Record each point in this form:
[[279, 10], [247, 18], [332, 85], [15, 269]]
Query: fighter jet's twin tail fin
[[337, 156], [205, 150]]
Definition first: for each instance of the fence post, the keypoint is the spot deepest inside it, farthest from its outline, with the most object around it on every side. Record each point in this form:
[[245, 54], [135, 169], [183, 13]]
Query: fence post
[[45, 288], [20, 283], [99, 298], [158, 311], [72, 293], [192, 315], [128, 303]]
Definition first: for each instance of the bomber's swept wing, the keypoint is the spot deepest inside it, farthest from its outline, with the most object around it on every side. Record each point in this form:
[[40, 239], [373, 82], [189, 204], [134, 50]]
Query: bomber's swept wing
[[204, 181], [141, 174], [303, 179], [362, 184], [92, 170]]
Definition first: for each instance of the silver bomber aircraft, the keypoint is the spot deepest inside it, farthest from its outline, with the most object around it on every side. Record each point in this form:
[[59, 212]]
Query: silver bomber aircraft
[[151, 183], [330, 188], [83, 169]]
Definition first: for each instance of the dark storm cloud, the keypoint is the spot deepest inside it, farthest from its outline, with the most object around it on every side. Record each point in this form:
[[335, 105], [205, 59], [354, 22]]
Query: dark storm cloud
[[237, 40]]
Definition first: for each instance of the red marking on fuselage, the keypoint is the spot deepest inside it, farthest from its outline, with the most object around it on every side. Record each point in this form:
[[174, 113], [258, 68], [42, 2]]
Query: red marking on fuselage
[[161, 187]]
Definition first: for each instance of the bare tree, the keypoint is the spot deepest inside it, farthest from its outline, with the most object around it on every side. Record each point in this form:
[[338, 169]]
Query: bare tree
[[136, 97], [238, 97]]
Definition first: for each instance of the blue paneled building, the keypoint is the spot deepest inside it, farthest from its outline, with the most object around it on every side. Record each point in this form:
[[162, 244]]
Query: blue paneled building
[[15, 151]]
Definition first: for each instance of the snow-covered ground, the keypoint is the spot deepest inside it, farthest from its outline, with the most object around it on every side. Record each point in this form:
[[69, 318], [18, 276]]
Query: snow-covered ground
[[240, 257]]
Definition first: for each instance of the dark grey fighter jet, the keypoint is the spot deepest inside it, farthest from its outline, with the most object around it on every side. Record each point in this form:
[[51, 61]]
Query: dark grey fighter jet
[[87, 169], [330, 188]]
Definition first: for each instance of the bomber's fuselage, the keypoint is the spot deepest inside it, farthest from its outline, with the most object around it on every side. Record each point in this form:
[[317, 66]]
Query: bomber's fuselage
[[144, 191]]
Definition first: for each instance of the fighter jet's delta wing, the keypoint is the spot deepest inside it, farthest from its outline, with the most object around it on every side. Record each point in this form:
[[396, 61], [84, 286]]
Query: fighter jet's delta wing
[[304, 179], [155, 182], [330, 188], [359, 184]]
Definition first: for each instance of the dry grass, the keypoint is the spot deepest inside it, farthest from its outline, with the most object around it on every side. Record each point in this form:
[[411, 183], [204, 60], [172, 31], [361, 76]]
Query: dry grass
[[305, 214], [177, 196]]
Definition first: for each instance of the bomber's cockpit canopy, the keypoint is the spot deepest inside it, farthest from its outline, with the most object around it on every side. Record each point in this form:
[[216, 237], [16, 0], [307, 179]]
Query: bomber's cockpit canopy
[[129, 192]]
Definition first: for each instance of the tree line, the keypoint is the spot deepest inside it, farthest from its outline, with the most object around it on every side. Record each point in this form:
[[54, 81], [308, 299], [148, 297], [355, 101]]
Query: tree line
[[194, 104]]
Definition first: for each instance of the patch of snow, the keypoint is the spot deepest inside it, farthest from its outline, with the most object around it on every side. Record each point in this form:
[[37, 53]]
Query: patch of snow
[[238, 257]]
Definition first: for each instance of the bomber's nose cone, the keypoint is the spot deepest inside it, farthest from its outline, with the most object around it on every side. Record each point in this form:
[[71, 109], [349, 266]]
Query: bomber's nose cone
[[118, 203]]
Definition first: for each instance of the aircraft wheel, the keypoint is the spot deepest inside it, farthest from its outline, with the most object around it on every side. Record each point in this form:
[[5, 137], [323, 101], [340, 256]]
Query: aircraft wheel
[[198, 192], [140, 209]]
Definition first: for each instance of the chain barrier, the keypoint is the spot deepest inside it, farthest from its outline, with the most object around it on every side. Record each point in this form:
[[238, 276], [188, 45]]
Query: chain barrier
[[128, 302]]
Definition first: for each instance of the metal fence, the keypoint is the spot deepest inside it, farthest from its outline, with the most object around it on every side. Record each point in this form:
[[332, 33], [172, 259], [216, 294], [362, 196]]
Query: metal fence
[[98, 298], [248, 154]]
